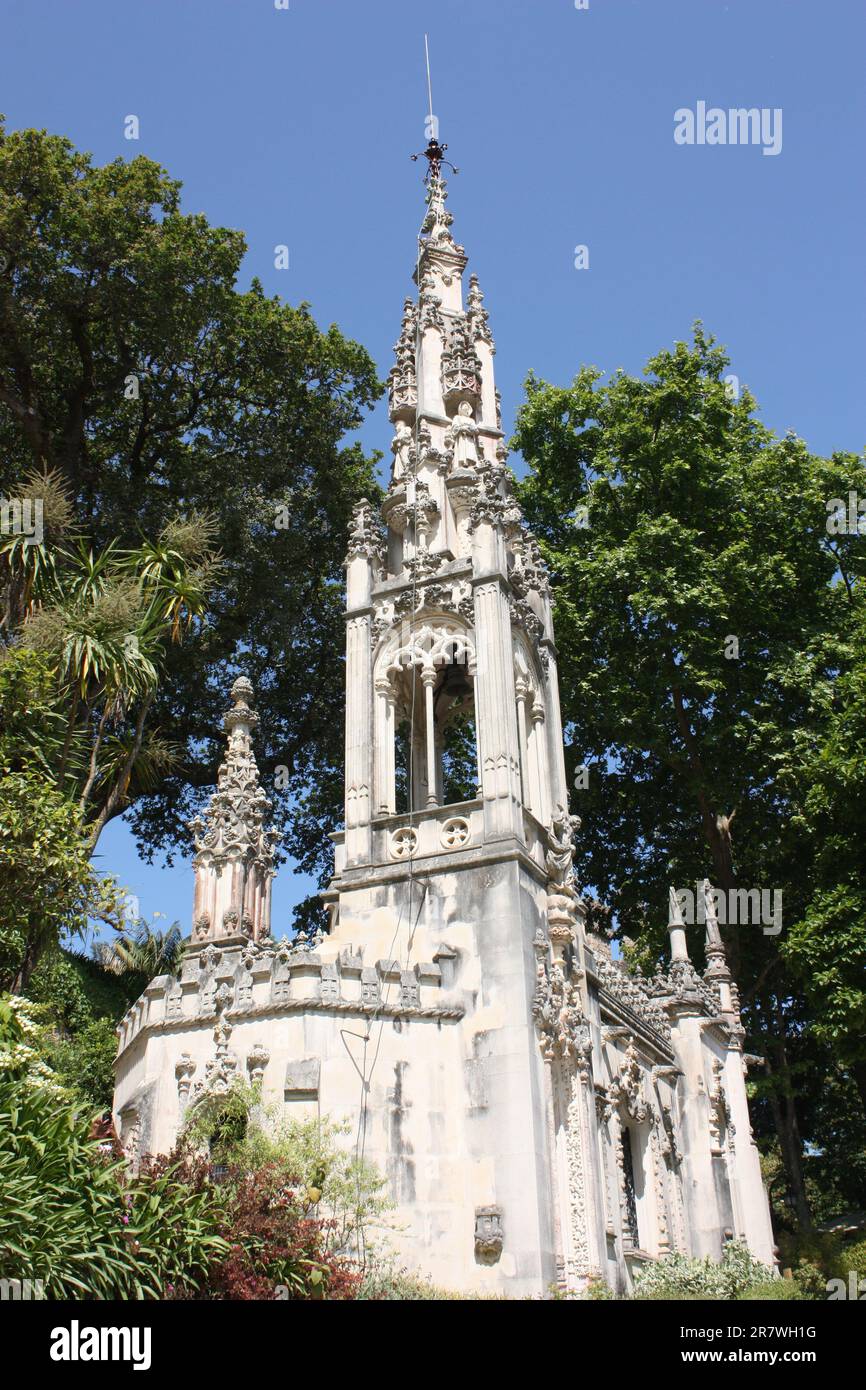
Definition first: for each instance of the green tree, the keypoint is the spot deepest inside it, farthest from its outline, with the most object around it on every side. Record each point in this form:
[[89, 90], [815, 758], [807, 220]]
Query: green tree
[[102, 621], [826, 946], [133, 367], [86, 633], [704, 617], [49, 889]]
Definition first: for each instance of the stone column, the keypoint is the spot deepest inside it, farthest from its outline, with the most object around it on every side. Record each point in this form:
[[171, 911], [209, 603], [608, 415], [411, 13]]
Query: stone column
[[745, 1163], [359, 739], [553, 725], [495, 713], [385, 754], [699, 1182], [474, 674], [539, 749], [521, 690], [428, 679]]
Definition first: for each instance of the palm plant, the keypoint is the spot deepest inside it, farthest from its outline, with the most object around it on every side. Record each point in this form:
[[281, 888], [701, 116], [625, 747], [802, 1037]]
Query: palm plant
[[143, 949], [103, 619]]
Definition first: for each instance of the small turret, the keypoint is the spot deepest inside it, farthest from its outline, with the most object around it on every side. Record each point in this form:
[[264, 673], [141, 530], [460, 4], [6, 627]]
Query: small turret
[[234, 851]]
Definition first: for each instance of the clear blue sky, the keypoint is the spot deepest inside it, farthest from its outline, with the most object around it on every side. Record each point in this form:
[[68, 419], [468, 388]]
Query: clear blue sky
[[296, 126]]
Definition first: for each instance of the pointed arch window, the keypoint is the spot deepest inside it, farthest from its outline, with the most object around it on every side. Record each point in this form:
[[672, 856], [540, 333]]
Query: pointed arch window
[[425, 733]]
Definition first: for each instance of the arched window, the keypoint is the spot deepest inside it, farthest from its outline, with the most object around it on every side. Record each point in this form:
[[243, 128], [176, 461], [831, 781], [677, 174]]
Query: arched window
[[632, 1230], [425, 731]]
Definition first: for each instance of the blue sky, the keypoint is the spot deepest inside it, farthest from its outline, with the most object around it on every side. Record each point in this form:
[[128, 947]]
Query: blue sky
[[296, 126]]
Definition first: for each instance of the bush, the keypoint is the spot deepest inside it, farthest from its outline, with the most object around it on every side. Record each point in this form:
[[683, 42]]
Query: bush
[[819, 1249], [70, 1217], [347, 1192], [278, 1245], [854, 1257], [385, 1281], [684, 1277], [84, 1063], [83, 1002]]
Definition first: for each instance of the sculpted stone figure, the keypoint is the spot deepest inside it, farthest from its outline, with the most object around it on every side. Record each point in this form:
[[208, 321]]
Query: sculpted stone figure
[[464, 432], [560, 852], [401, 446]]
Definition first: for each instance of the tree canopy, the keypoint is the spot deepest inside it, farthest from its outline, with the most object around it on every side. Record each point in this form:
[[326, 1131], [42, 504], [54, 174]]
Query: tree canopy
[[710, 627], [136, 372]]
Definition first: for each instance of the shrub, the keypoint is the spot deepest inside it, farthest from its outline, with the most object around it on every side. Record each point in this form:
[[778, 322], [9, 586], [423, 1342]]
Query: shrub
[[684, 1277], [70, 1217], [854, 1257], [274, 1244], [385, 1281], [347, 1192], [84, 1063], [819, 1249]]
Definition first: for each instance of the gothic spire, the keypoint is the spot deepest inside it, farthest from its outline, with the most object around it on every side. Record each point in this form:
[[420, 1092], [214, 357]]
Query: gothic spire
[[234, 852]]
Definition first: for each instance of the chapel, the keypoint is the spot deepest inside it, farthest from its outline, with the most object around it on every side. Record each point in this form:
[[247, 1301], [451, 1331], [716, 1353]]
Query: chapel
[[543, 1116]]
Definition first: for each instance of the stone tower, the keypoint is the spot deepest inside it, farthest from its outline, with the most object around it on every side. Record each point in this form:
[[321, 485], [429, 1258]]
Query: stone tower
[[448, 622], [542, 1116]]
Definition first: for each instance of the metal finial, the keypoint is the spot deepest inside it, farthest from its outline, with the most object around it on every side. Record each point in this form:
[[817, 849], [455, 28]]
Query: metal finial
[[434, 154]]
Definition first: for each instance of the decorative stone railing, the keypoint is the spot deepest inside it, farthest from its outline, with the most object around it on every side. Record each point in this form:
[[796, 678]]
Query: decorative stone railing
[[634, 994], [264, 977], [423, 834]]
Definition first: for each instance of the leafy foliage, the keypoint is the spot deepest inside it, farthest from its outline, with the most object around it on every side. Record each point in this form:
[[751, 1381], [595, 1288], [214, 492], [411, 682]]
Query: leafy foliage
[[48, 885], [69, 1216], [346, 1191], [100, 622], [737, 1275], [711, 636], [134, 370]]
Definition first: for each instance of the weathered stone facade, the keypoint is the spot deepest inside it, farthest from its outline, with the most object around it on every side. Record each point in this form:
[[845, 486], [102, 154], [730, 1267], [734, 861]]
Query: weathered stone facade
[[541, 1115]]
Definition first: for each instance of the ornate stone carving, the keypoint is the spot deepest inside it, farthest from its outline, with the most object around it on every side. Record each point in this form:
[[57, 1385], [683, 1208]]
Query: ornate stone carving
[[430, 304], [636, 994], [257, 1059], [476, 315], [626, 1089], [184, 1071], [721, 1124], [403, 451], [489, 1237], [429, 646], [461, 367], [222, 1069], [523, 615], [489, 507], [455, 832], [366, 540], [461, 439], [234, 852], [561, 894], [402, 381], [410, 997], [664, 1243], [561, 1022], [579, 1265], [403, 843]]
